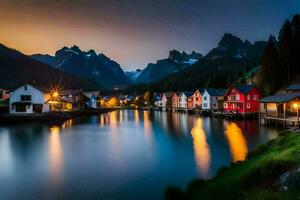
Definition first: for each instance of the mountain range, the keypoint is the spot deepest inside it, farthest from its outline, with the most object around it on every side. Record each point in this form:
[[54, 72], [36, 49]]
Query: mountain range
[[17, 68], [162, 68], [88, 65], [222, 66]]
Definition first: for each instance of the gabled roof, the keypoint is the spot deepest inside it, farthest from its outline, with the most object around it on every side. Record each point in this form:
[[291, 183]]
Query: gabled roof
[[216, 92], [294, 87], [245, 89], [91, 94], [70, 92], [280, 98], [168, 94], [187, 93], [41, 88]]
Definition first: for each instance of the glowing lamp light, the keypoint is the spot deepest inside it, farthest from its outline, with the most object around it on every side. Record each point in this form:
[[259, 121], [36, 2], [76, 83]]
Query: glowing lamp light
[[55, 94], [295, 105]]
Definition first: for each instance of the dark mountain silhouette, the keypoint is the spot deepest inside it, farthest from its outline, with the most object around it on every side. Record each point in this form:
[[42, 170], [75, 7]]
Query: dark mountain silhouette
[[88, 65], [162, 68], [17, 68]]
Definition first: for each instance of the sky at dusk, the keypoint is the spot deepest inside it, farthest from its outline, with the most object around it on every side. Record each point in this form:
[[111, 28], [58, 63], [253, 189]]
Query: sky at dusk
[[136, 32]]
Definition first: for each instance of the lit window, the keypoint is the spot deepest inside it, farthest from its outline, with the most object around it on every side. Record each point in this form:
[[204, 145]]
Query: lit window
[[255, 97], [248, 97], [248, 105], [237, 97], [225, 105]]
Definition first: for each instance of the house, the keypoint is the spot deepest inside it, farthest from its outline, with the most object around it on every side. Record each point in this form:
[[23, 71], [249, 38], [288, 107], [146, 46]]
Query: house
[[183, 99], [29, 98], [90, 99], [212, 99], [194, 101], [75, 97], [175, 99], [4, 94], [242, 99], [294, 88], [157, 99], [283, 106], [166, 99], [280, 105]]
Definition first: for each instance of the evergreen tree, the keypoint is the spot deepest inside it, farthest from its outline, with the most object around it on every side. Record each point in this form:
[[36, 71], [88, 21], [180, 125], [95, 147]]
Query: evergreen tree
[[285, 47], [295, 47], [270, 69]]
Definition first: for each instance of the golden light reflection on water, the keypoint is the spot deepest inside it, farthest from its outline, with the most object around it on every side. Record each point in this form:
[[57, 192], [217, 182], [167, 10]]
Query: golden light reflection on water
[[201, 149], [237, 142], [147, 124], [68, 124], [55, 154], [136, 116]]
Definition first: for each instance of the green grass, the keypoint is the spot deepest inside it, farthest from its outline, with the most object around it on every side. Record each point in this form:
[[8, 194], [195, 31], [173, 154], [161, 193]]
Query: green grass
[[254, 178]]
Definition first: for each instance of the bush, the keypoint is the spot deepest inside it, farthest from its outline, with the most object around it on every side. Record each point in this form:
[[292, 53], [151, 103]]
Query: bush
[[173, 193]]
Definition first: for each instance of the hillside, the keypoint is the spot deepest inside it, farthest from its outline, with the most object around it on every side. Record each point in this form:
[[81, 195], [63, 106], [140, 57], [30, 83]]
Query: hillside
[[17, 68], [222, 66], [270, 172]]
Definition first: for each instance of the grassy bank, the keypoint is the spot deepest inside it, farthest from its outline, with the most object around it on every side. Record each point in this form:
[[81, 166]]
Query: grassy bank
[[256, 178]]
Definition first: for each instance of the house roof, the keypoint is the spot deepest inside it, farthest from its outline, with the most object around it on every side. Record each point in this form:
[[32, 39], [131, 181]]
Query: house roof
[[245, 88], [280, 98], [41, 88], [216, 92], [90, 94], [168, 94], [187, 93], [294, 87], [70, 92]]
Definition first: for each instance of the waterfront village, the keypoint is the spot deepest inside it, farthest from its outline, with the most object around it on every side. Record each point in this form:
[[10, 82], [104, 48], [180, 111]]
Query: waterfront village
[[235, 101]]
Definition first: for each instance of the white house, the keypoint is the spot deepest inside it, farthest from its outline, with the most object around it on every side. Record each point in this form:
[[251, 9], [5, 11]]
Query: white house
[[212, 99], [183, 99], [28, 99], [166, 99], [91, 101]]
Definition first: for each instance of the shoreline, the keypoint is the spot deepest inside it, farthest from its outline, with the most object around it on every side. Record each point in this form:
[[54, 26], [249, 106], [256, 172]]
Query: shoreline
[[52, 118], [271, 171]]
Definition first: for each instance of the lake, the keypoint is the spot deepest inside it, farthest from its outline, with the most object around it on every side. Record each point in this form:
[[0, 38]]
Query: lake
[[125, 154]]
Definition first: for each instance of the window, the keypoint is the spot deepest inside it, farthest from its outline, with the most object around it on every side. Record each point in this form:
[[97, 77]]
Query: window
[[248, 105], [197, 98], [248, 97], [214, 105], [255, 97], [205, 98], [25, 87], [237, 97], [225, 105], [205, 105], [25, 97]]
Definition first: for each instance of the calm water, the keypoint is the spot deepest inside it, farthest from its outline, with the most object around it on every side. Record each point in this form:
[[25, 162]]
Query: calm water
[[121, 155]]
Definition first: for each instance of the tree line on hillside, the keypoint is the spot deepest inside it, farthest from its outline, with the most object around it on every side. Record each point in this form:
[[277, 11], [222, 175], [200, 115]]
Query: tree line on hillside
[[281, 63], [218, 73]]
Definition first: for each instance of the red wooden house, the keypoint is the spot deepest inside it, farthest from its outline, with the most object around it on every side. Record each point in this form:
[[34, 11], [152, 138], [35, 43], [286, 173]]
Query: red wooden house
[[242, 99]]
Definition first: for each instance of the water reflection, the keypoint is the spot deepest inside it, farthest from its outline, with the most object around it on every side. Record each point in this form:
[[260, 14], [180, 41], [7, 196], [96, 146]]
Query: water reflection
[[201, 149], [119, 154], [237, 142], [55, 154], [136, 117], [147, 125], [6, 158]]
